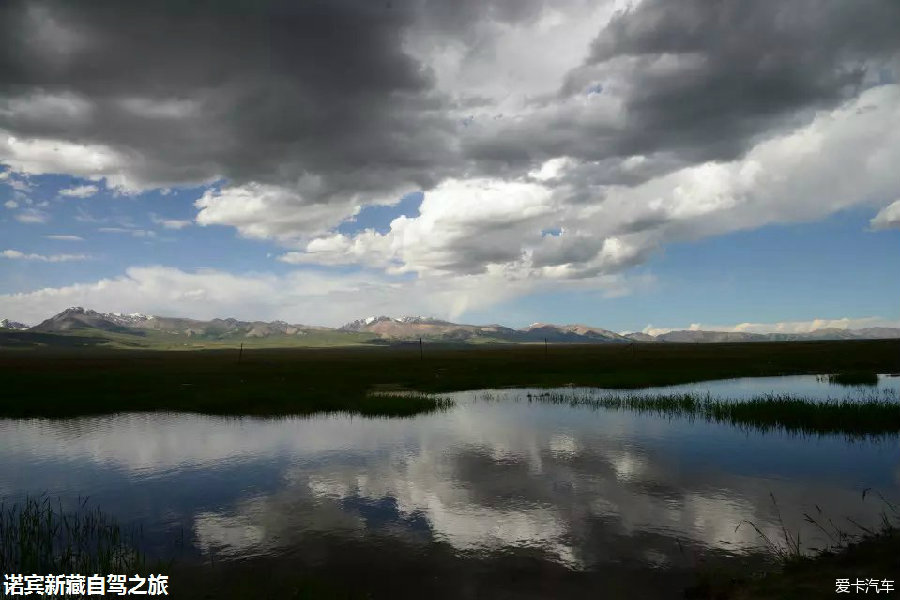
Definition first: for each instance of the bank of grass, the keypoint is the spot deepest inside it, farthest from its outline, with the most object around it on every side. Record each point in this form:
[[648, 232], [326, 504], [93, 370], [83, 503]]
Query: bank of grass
[[39, 536], [854, 553], [870, 557], [54, 381], [859, 418]]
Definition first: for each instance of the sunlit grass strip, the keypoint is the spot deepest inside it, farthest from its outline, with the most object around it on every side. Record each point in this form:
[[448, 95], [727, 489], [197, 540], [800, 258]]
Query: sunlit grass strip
[[863, 418], [39, 537]]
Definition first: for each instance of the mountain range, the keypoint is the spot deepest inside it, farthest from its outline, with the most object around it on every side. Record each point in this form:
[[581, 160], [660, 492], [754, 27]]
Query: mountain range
[[7, 324], [384, 329], [79, 319]]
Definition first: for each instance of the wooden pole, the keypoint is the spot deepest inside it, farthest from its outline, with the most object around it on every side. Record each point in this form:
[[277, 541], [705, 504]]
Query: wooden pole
[[421, 351], [241, 353], [545, 348]]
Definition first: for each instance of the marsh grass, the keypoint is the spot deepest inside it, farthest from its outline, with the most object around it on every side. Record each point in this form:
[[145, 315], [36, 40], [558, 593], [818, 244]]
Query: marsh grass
[[859, 418], [789, 551], [854, 378], [790, 546], [61, 382], [401, 403], [38, 536], [797, 570]]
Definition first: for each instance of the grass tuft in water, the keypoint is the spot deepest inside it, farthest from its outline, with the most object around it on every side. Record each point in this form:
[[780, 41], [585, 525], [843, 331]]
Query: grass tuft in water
[[38, 536], [854, 378], [401, 403]]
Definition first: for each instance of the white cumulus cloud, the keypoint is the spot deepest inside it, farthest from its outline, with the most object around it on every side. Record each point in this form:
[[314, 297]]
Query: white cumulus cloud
[[844, 157], [175, 223], [65, 238], [32, 216], [17, 255], [300, 296], [888, 217], [80, 191], [267, 211], [41, 156]]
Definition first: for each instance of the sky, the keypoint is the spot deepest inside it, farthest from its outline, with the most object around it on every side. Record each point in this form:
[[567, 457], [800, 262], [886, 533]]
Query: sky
[[638, 166]]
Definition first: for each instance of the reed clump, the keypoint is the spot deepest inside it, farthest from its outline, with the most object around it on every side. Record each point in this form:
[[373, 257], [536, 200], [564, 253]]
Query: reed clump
[[854, 378], [401, 403], [38, 536]]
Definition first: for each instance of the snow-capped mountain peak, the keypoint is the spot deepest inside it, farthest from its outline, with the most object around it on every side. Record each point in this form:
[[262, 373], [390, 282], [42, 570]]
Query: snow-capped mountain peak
[[127, 318], [417, 319]]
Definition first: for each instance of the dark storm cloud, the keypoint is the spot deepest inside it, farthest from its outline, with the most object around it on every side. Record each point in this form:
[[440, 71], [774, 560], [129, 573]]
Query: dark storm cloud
[[269, 91], [324, 96], [458, 17], [702, 80], [745, 65]]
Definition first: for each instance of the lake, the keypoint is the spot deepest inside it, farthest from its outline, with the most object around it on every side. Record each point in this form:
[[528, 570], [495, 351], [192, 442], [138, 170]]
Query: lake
[[498, 493]]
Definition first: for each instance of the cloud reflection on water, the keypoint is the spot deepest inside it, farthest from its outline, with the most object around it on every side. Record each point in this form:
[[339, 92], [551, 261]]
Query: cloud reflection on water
[[581, 487]]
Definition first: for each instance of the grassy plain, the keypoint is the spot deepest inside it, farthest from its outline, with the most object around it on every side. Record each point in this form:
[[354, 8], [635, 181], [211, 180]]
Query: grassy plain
[[56, 380]]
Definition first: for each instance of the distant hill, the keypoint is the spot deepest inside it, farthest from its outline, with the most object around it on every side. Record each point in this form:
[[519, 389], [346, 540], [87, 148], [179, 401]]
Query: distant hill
[[691, 336], [7, 324], [639, 336], [572, 333], [411, 328], [138, 329], [696, 336], [879, 333], [78, 318]]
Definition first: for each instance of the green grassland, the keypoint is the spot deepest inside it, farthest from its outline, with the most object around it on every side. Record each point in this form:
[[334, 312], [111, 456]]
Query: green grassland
[[149, 339], [78, 375]]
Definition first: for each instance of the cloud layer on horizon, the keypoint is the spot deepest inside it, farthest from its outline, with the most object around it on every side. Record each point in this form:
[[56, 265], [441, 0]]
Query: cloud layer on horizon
[[307, 297]]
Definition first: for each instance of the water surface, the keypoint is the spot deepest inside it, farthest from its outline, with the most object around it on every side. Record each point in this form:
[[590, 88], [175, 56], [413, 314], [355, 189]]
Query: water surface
[[577, 490], [813, 387]]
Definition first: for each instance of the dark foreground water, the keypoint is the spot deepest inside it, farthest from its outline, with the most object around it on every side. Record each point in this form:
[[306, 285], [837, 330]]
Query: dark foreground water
[[497, 495]]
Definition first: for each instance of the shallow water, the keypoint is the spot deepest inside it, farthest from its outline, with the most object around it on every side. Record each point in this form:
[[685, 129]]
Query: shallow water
[[578, 489], [813, 387]]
